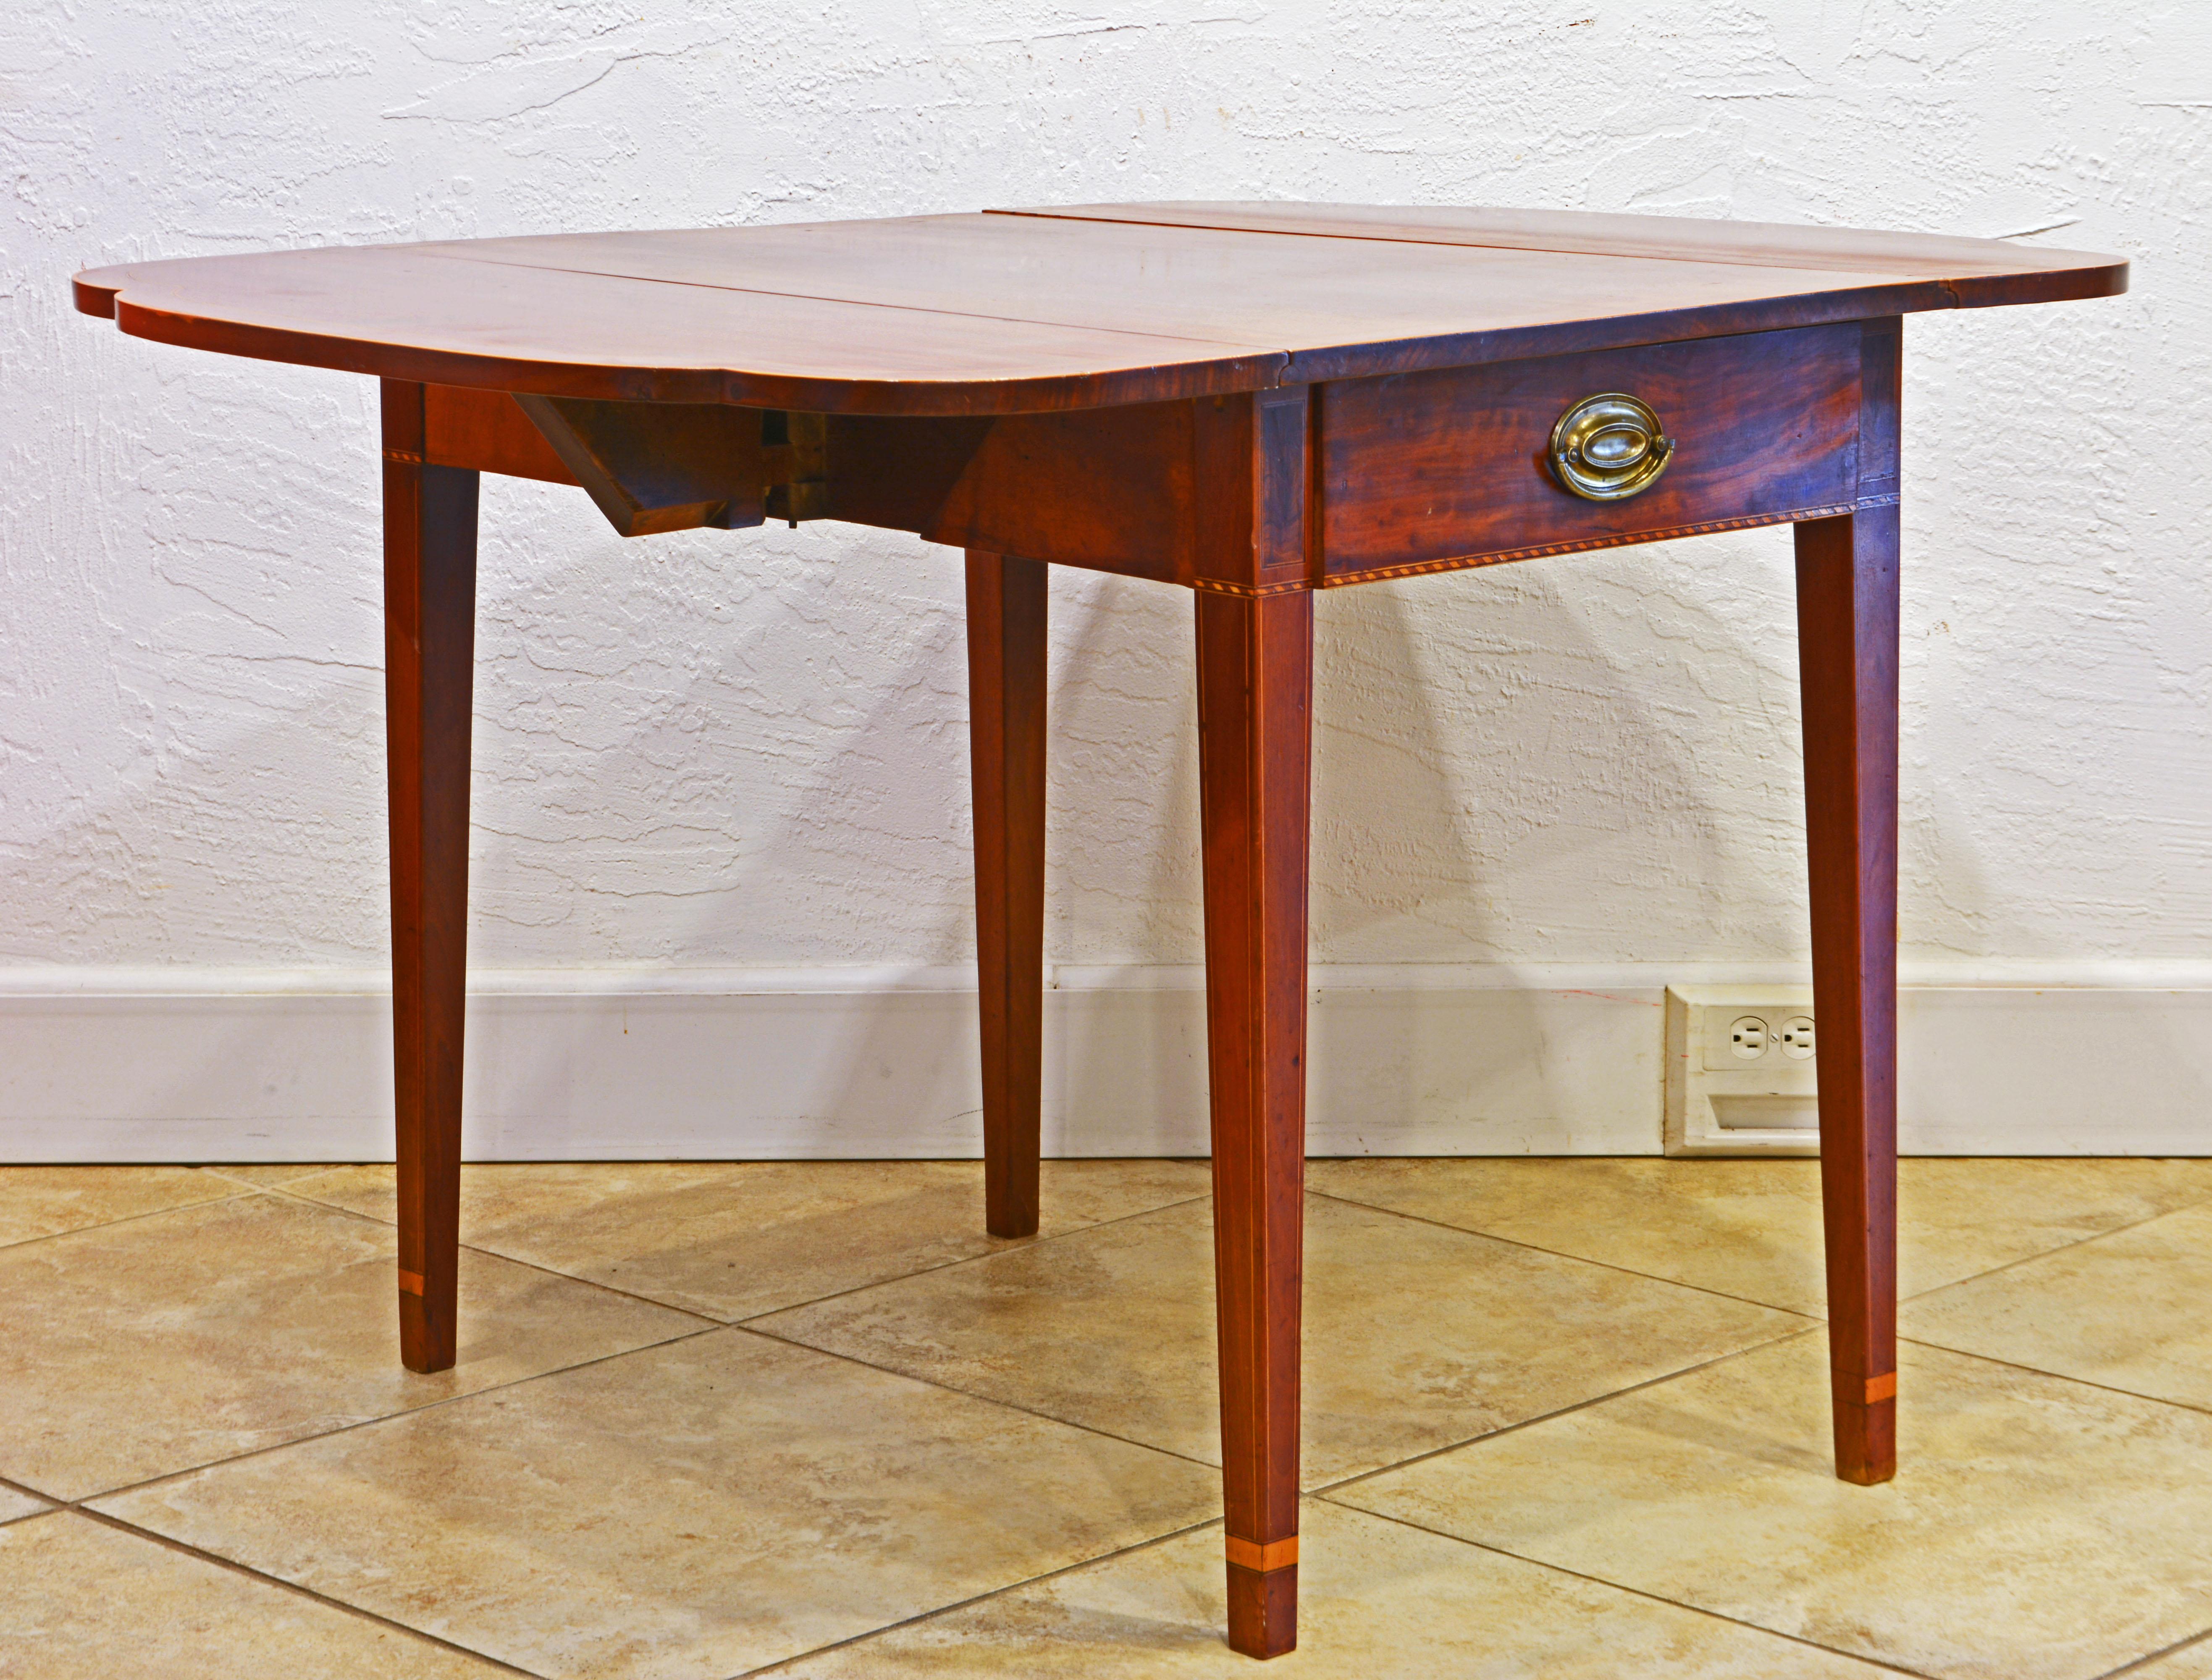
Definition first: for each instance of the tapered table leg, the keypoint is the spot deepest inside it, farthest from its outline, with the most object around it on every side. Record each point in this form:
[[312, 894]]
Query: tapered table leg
[[429, 645], [1255, 732], [1847, 618], [1006, 697]]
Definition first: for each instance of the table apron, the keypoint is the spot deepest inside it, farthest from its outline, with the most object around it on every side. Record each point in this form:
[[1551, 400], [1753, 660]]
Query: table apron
[[1380, 477]]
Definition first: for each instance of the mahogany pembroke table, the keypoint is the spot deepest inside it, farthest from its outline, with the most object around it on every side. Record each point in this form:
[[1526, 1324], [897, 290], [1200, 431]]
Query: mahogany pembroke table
[[1250, 401]]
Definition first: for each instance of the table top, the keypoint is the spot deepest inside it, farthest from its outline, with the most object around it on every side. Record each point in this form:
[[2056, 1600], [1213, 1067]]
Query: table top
[[1033, 310]]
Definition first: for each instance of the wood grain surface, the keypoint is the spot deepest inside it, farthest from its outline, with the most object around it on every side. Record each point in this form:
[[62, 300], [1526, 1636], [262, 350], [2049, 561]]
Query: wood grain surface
[[429, 648], [2012, 269], [1421, 468], [487, 431], [1031, 312], [1848, 625], [1255, 660], [653, 467], [1255, 734], [1414, 473], [1006, 742], [1847, 611]]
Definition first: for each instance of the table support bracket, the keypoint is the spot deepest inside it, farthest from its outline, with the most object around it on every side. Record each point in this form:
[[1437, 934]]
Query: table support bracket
[[655, 468]]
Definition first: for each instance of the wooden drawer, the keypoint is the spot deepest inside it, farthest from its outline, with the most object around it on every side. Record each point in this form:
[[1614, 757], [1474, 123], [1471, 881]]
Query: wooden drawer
[[1431, 470]]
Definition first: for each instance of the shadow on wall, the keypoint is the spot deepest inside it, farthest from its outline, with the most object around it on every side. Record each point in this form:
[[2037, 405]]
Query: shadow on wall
[[1410, 865]]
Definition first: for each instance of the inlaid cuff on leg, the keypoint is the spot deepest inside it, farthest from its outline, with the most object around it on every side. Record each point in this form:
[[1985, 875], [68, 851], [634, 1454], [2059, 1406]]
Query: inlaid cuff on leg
[[1251, 1555]]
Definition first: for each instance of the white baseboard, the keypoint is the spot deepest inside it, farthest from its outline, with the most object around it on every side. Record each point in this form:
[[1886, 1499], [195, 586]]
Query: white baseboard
[[169, 1065]]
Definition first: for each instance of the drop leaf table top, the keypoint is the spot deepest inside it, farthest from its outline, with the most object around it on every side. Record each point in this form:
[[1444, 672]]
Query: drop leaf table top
[[1089, 306]]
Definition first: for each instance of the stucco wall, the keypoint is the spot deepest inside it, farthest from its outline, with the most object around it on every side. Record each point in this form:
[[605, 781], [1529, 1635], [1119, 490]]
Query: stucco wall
[[748, 748]]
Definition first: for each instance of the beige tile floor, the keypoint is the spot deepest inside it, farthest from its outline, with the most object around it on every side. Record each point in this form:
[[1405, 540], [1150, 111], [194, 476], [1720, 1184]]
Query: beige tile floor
[[1564, 1418]]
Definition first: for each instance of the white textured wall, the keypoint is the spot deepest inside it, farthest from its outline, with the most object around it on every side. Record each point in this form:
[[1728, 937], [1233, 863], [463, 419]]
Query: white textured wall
[[748, 748]]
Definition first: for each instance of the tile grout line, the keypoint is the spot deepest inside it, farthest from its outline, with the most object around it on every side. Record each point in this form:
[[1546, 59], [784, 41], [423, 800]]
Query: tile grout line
[[319, 1168], [1808, 1322], [1325, 1492], [753, 1326], [707, 1326], [1328, 1490], [389, 1417], [1014, 1245], [2137, 1665], [1318, 1490], [284, 1192], [28, 1492], [81, 1506], [1883, 1663], [239, 1192], [345, 1212], [1821, 1317], [1133, 1547], [936, 1612], [970, 1394], [1580, 1259], [2055, 1376], [235, 1568], [319, 1206], [707, 1318], [2029, 1259]]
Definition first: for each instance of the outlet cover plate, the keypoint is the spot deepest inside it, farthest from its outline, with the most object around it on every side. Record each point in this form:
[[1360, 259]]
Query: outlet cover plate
[[1718, 1104]]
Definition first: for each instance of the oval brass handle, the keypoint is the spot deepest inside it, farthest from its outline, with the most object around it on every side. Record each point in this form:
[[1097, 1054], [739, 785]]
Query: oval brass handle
[[1609, 446]]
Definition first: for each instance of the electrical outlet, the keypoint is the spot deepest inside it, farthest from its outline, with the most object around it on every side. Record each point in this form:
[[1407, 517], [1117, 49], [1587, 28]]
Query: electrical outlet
[[1748, 1038], [1742, 1068]]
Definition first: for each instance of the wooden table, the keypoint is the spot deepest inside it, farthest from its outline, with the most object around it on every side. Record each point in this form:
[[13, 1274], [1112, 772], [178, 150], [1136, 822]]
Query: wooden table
[[1248, 401]]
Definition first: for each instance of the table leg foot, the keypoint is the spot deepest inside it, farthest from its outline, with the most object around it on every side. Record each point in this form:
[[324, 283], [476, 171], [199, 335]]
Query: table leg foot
[[1866, 1440], [1263, 1611], [426, 1334]]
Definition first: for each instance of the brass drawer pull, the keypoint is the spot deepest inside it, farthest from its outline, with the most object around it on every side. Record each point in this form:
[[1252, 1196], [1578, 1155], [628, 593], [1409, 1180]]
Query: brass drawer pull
[[1609, 446]]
